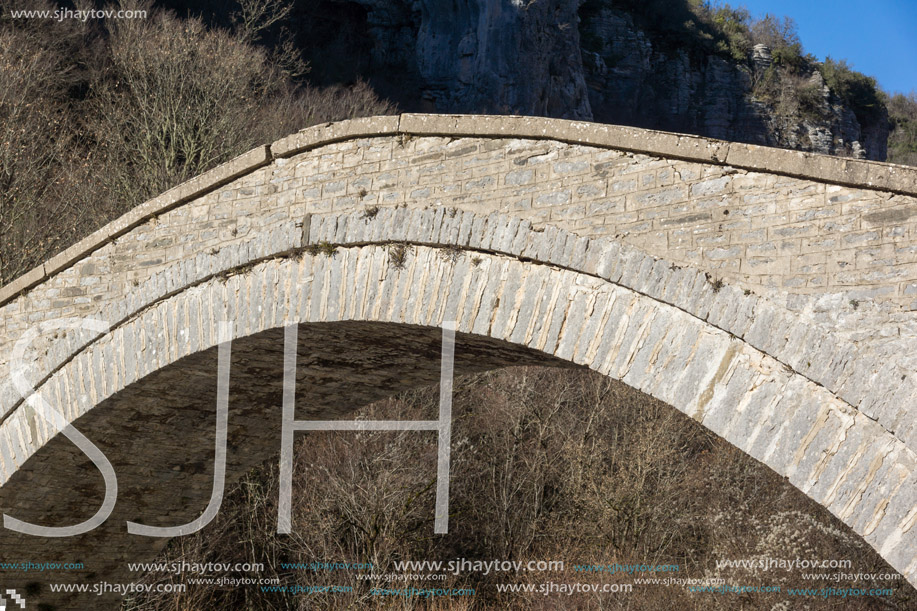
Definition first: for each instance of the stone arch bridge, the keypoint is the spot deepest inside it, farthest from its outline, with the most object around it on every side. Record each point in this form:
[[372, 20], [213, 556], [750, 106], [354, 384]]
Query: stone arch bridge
[[768, 294]]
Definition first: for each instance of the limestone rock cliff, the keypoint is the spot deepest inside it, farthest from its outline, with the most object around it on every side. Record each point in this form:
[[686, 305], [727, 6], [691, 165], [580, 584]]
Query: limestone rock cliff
[[549, 58], [635, 80]]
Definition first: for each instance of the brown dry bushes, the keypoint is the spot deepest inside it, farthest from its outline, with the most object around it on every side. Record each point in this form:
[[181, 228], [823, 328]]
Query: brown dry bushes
[[546, 465]]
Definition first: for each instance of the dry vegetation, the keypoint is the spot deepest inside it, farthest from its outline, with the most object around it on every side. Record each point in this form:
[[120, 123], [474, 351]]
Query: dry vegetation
[[902, 141], [547, 465], [98, 116]]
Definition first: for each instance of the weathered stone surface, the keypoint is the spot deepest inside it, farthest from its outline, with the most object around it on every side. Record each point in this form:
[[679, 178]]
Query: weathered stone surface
[[709, 335]]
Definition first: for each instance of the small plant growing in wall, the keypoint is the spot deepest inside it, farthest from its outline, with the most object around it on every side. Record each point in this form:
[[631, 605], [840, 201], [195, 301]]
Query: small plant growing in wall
[[398, 255], [451, 253], [369, 212], [715, 283], [322, 248]]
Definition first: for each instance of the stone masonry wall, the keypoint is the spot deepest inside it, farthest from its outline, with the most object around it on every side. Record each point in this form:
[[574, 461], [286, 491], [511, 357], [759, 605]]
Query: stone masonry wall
[[762, 231], [691, 223], [780, 233]]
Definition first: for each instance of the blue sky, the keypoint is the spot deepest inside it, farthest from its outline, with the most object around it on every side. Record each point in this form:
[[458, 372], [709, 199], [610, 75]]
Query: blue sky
[[876, 37]]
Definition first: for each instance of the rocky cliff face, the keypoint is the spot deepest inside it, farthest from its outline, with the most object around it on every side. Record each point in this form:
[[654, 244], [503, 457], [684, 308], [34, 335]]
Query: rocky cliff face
[[634, 81], [549, 58], [482, 56]]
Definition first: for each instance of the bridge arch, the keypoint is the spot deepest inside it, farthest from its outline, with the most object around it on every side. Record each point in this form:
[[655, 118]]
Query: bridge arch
[[761, 376]]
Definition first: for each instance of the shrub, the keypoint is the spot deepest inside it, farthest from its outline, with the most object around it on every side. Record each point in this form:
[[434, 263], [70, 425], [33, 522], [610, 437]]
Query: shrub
[[811, 102], [179, 98], [732, 25], [792, 58], [97, 116], [857, 90], [902, 141], [43, 166], [296, 109], [546, 464], [774, 32], [176, 100]]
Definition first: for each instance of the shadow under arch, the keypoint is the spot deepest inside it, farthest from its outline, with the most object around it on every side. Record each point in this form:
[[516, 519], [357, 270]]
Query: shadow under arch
[[159, 434]]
